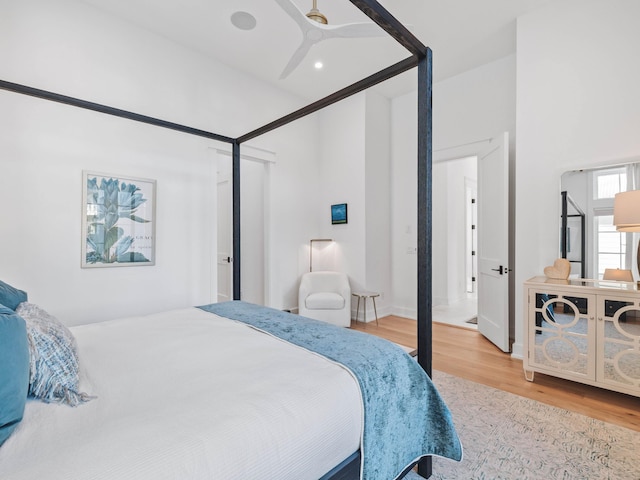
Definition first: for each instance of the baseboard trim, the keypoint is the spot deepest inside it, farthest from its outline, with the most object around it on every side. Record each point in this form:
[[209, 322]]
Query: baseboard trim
[[516, 351], [404, 312]]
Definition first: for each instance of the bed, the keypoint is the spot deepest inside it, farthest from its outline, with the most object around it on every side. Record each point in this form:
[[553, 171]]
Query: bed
[[421, 59], [232, 390]]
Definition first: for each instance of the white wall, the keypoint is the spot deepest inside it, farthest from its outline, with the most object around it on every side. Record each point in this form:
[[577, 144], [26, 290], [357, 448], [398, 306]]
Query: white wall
[[343, 181], [343, 166], [404, 207], [252, 239], [81, 52], [295, 186], [355, 163], [467, 108], [378, 200], [578, 105], [45, 148]]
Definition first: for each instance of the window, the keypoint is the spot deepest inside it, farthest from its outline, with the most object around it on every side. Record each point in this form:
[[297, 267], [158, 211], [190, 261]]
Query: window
[[609, 182], [611, 245]]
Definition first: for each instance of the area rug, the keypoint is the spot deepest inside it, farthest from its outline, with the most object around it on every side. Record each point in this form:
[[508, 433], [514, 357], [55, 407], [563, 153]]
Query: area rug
[[505, 436]]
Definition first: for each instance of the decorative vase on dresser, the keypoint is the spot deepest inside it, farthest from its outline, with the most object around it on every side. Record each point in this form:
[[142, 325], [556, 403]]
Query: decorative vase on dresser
[[583, 330]]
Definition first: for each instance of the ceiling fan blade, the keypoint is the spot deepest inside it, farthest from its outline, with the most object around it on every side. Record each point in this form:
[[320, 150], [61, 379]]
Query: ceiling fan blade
[[353, 30], [314, 32], [294, 12], [296, 58]]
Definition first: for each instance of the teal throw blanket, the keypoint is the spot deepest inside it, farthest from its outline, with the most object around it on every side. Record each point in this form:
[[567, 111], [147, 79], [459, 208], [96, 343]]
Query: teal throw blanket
[[404, 416]]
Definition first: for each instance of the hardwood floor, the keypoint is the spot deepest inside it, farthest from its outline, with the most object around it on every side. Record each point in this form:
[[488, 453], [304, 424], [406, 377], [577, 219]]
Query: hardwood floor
[[467, 354]]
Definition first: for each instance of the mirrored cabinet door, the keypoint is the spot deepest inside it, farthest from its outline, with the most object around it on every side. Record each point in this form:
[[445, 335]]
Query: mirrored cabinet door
[[619, 341], [562, 337]]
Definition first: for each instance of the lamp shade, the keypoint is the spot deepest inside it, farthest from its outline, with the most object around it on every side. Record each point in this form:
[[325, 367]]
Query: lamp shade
[[620, 275], [626, 211]]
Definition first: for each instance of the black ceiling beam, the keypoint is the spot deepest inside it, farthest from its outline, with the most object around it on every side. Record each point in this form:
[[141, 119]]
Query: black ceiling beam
[[116, 112], [391, 25], [370, 81]]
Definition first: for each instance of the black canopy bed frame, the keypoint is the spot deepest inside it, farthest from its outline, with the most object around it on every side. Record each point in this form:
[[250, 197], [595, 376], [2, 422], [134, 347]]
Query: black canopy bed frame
[[421, 57], [565, 240]]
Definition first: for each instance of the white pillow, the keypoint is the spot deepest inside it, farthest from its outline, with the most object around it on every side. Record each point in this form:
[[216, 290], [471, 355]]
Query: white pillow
[[53, 376]]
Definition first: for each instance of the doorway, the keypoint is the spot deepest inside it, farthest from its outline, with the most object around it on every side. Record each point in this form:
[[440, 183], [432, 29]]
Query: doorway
[[491, 158], [455, 240]]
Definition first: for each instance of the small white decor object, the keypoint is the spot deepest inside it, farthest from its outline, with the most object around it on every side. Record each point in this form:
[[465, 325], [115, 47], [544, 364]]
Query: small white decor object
[[560, 269]]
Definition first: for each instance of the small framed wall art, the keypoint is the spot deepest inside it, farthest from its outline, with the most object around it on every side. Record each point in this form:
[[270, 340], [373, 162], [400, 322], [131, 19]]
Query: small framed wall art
[[118, 220], [338, 213]]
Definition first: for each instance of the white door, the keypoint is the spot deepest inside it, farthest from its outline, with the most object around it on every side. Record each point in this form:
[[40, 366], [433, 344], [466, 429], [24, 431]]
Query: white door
[[225, 239], [493, 242]]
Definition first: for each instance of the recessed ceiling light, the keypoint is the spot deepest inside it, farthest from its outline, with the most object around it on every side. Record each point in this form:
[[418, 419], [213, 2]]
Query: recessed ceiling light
[[243, 20], [318, 65]]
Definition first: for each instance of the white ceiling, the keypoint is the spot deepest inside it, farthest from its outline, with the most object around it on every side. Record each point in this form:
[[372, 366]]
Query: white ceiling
[[463, 34]]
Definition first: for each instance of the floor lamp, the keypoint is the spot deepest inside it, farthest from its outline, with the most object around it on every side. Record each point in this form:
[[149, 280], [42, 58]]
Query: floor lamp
[[311, 249], [626, 216]]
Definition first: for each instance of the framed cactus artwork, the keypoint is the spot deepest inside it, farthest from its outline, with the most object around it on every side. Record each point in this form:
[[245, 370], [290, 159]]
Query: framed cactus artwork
[[118, 220]]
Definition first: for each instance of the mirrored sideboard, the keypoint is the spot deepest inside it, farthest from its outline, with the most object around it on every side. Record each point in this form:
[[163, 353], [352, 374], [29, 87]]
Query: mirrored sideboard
[[583, 330]]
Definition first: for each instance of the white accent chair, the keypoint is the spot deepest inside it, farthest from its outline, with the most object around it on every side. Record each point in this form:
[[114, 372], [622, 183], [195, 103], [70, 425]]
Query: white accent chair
[[325, 296]]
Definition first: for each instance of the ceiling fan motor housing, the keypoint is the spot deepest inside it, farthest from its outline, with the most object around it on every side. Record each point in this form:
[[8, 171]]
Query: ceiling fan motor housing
[[314, 14]]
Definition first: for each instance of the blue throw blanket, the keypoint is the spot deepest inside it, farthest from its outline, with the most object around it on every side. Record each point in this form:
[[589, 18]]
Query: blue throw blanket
[[404, 416]]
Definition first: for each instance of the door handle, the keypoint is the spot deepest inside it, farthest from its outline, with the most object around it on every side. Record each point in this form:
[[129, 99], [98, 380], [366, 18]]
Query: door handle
[[228, 259], [501, 270]]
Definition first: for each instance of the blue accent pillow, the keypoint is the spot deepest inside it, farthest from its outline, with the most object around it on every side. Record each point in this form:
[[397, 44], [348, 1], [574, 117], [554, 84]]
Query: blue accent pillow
[[54, 375], [10, 296], [14, 370]]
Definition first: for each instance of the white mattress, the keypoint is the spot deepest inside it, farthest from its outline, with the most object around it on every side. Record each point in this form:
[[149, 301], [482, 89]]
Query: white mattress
[[189, 395]]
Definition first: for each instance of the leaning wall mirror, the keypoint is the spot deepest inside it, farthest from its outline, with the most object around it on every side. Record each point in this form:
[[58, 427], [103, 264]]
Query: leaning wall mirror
[[588, 236]]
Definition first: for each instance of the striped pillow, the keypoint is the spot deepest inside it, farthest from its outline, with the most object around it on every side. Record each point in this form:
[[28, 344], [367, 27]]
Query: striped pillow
[[53, 376]]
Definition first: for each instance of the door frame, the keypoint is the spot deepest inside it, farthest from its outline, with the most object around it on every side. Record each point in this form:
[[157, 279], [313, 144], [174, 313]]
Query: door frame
[[476, 148]]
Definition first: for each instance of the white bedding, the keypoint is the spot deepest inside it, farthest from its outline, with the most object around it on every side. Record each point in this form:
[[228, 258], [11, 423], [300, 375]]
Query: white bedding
[[189, 395]]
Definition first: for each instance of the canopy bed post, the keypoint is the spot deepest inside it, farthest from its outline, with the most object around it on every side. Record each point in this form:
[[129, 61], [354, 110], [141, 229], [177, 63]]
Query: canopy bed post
[[236, 219], [425, 132]]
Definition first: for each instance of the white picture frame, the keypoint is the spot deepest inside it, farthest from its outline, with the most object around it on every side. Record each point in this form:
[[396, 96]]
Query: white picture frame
[[118, 220]]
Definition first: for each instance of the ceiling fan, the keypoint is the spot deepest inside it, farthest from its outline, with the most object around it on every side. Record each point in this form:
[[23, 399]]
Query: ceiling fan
[[315, 28]]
